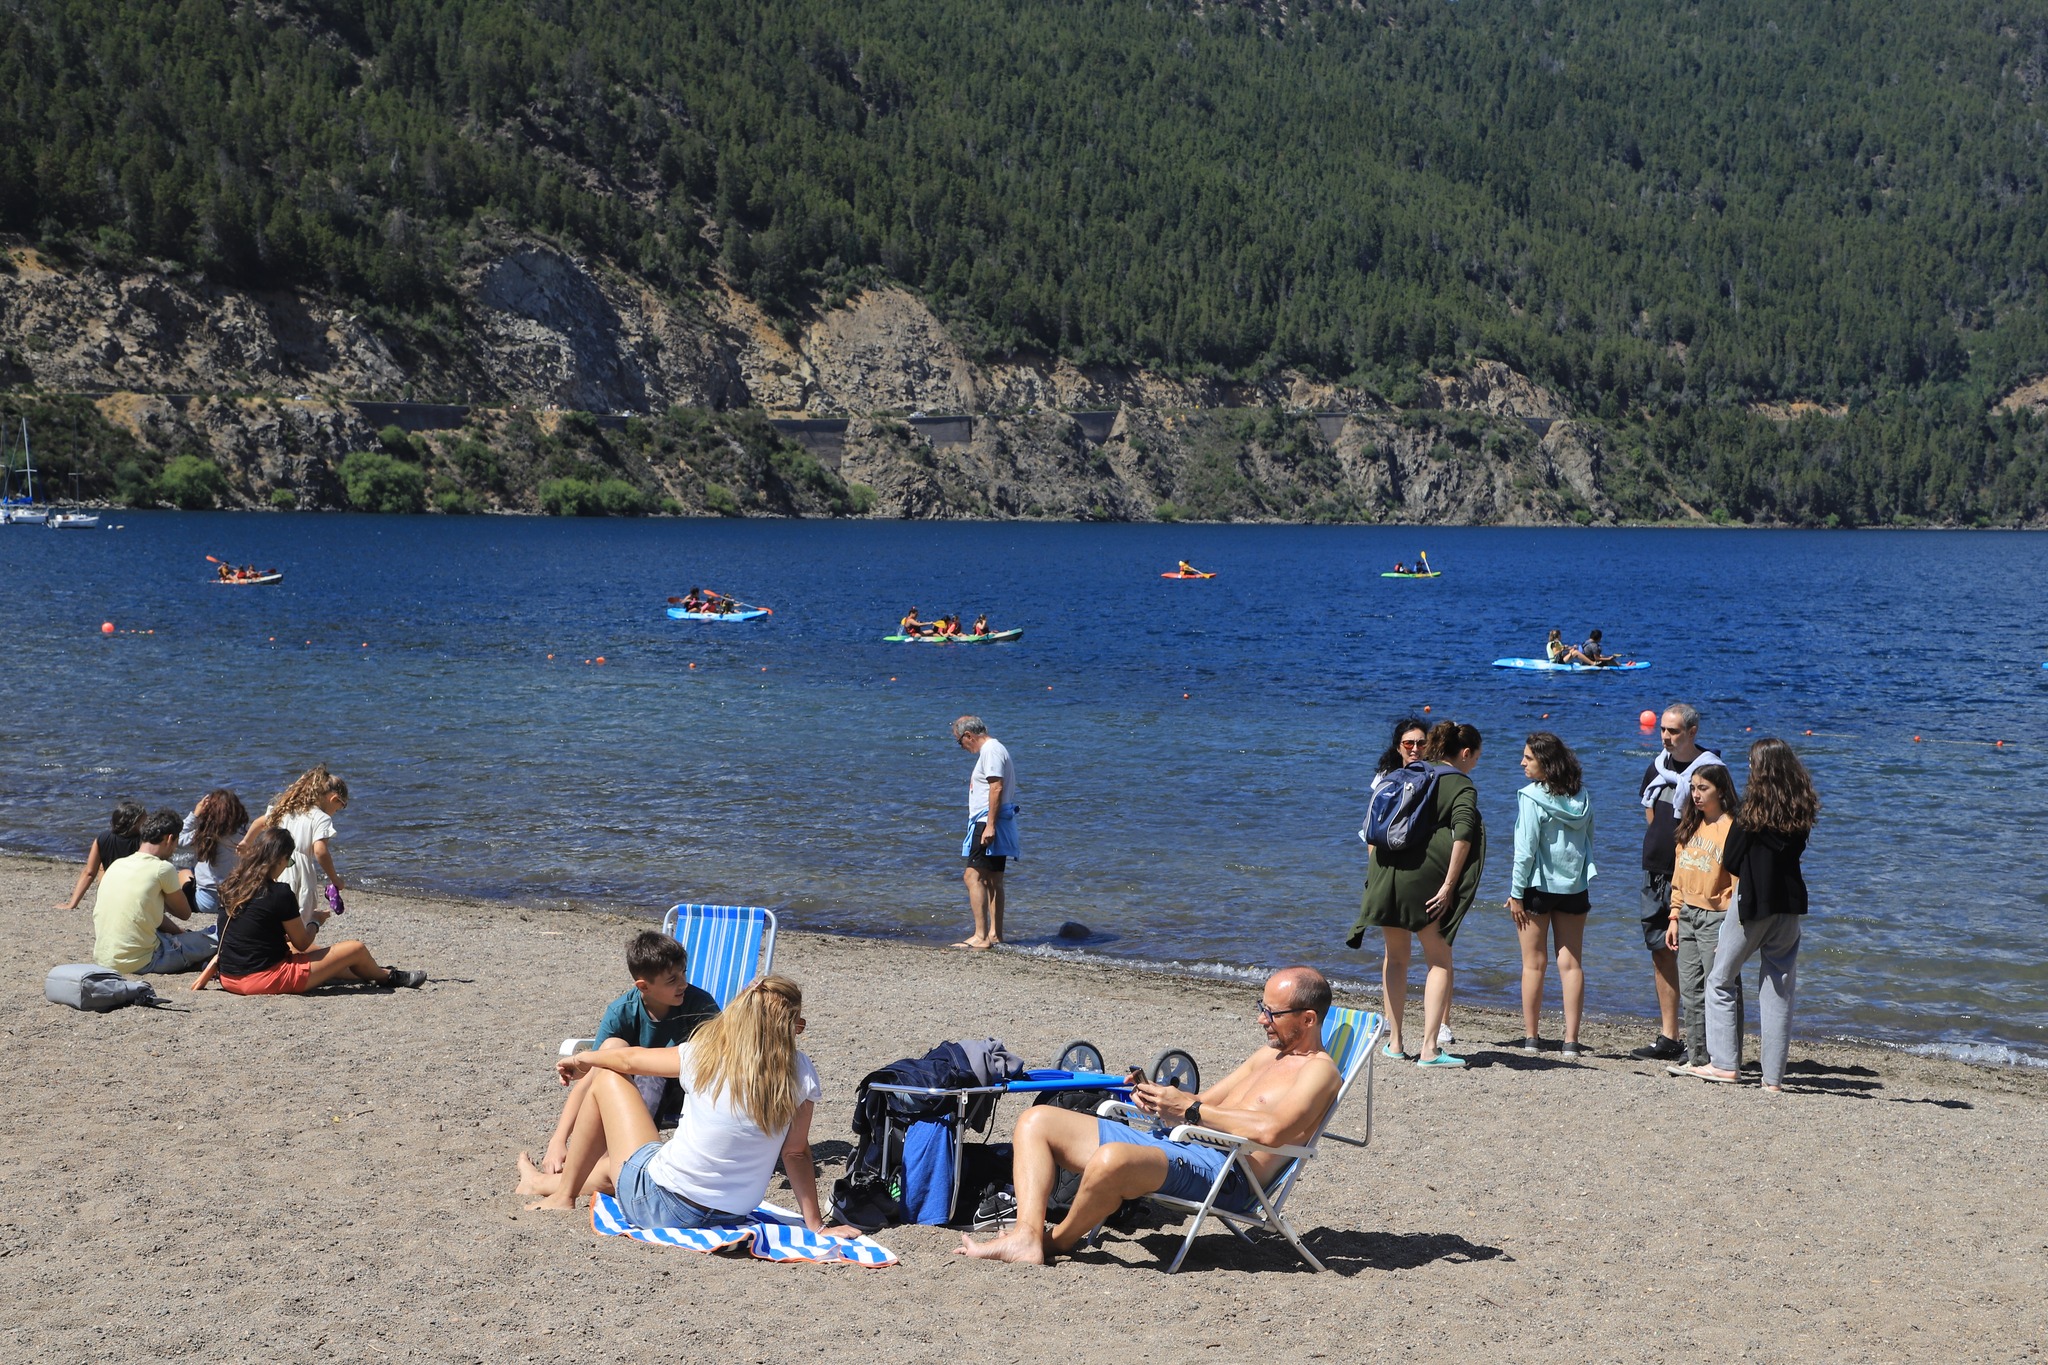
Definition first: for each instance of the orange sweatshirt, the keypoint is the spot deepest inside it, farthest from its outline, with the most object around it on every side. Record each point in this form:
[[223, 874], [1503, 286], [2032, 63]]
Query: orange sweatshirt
[[1698, 878]]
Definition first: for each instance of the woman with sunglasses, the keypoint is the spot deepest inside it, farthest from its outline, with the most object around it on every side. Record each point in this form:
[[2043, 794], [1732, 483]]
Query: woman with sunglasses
[[1422, 893]]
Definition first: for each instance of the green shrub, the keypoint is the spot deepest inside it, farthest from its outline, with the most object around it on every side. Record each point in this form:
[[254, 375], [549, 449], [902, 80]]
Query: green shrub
[[1167, 511], [621, 499], [457, 502], [860, 499], [719, 499], [192, 482], [396, 442], [378, 483], [284, 500], [570, 498]]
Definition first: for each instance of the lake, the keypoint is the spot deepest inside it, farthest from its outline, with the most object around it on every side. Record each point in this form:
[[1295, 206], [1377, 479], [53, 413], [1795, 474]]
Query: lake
[[1192, 757]]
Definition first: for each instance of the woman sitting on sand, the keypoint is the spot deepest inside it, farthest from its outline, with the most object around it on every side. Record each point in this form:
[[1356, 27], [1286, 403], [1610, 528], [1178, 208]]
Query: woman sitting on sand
[[266, 948], [211, 831], [750, 1095], [109, 848]]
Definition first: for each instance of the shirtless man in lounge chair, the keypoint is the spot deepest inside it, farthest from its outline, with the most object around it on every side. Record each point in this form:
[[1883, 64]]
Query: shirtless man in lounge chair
[[1277, 1097]]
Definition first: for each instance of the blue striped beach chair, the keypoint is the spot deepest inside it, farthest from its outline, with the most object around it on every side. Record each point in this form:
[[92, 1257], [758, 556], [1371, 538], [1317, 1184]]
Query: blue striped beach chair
[[1351, 1037], [728, 947]]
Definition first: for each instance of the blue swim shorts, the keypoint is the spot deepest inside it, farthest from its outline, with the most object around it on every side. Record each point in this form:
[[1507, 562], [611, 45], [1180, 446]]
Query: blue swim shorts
[[1191, 1167]]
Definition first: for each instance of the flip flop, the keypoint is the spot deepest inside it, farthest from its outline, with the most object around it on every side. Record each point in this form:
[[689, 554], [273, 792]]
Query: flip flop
[[1706, 1072]]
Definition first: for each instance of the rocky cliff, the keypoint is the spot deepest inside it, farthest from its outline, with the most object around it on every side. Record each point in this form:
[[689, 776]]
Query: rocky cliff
[[263, 386]]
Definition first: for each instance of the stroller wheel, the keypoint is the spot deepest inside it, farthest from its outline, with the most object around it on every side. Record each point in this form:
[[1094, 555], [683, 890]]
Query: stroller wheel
[[1177, 1068], [1080, 1055]]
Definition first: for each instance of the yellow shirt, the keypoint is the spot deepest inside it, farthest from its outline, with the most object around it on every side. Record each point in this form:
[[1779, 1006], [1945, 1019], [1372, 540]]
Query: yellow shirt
[[1697, 877], [129, 909]]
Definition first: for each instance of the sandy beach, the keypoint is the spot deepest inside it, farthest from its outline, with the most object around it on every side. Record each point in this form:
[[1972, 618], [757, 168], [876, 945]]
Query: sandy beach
[[322, 1177]]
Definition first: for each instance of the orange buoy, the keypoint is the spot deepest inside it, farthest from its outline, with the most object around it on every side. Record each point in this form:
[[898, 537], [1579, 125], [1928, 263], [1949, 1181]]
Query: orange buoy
[[106, 627], [600, 658], [1425, 710], [1647, 720]]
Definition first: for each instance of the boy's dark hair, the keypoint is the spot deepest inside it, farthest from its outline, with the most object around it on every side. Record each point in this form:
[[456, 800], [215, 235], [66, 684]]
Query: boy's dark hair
[[651, 953], [165, 824], [128, 817]]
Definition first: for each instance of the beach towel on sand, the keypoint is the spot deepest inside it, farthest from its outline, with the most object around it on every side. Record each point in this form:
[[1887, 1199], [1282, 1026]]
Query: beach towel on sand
[[776, 1234]]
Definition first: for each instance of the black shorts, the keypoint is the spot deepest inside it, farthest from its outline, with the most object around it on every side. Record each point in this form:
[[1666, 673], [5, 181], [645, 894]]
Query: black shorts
[[1538, 902], [1656, 909], [979, 861]]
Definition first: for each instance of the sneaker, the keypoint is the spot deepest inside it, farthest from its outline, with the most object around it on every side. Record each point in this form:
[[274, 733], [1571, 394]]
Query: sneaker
[[1532, 1046], [1663, 1050], [1572, 1052], [410, 980]]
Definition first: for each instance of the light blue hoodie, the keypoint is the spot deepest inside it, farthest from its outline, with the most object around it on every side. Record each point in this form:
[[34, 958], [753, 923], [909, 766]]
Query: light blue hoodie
[[1553, 842]]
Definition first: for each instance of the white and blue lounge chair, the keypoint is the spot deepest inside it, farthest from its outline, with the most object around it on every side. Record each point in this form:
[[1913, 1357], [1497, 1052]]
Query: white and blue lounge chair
[[728, 947], [1350, 1037]]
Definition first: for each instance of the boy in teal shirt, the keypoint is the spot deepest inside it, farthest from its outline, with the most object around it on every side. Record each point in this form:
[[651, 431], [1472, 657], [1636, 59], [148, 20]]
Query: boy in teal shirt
[[662, 1010]]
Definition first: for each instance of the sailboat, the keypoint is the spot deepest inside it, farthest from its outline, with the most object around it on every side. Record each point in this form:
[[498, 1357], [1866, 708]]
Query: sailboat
[[20, 510]]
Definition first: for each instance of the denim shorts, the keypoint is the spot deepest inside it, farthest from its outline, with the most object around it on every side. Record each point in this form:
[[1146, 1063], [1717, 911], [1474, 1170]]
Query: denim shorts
[[1191, 1167], [649, 1205]]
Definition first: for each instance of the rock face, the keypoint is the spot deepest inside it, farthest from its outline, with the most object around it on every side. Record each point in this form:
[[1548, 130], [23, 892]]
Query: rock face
[[539, 328]]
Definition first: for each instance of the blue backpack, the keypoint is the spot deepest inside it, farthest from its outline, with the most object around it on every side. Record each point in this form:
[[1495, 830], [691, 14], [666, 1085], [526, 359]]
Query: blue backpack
[[1401, 814]]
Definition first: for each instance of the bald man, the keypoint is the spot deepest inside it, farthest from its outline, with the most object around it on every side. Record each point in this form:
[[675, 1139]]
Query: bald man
[[1277, 1097]]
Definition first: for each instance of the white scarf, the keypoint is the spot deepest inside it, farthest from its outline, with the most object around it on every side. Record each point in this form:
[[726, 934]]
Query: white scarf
[[1681, 781]]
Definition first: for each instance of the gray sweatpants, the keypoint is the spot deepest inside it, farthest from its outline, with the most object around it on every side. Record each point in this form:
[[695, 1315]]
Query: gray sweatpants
[[1699, 939], [1776, 939]]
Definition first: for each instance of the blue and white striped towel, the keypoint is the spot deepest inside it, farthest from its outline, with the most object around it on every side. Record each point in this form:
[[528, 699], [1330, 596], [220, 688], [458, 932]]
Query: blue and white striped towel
[[776, 1235]]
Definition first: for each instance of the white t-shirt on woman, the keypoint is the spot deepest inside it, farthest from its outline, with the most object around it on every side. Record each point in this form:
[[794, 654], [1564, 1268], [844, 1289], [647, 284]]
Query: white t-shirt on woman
[[719, 1158], [303, 875]]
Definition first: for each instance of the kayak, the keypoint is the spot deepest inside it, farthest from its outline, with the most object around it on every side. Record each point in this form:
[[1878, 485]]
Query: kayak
[[249, 582], [1433, 573], [992, 638], [1545, 666], [1187, 576], [751, 613]]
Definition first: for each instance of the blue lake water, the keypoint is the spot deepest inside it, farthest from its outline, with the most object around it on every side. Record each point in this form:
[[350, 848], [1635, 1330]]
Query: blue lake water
[[1191, 757]]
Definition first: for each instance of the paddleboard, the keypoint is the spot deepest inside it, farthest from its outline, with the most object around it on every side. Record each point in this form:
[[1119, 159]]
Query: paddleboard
[[249, 582], [751, 613], [992, 638], [1434, 573], [1187, 576], [1545, 666]]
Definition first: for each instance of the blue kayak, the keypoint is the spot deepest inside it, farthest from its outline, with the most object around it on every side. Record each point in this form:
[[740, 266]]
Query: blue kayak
[[751, 613], [1545, 666]]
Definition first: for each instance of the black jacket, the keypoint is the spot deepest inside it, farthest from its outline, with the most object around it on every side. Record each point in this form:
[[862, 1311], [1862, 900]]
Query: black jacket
[[1765, 865]]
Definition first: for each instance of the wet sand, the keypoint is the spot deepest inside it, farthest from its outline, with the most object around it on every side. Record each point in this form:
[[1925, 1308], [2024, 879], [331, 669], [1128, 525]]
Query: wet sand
[[331, 1177]]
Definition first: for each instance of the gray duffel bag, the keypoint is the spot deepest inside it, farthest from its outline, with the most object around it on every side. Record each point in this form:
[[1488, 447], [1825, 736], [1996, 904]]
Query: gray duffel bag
[[89, 986]]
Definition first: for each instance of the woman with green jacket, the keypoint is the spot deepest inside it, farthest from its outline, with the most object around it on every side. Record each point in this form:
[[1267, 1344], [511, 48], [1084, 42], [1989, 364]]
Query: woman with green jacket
[[1425, 891]]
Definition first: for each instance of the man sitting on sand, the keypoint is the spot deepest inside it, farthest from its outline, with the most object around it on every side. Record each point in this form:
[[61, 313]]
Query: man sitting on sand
[[1277, 1097], [139, 921]]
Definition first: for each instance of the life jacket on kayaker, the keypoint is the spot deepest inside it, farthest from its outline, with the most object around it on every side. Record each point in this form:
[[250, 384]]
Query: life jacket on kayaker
[[1189, 569], [981, 624], [910, 625]]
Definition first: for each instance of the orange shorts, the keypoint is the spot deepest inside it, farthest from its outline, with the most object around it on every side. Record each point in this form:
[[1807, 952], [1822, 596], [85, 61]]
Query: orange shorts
[[288, 977]]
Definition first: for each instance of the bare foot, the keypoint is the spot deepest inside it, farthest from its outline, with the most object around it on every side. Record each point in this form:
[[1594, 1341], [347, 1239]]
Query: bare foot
[[533, 1180], [1016, 1246]]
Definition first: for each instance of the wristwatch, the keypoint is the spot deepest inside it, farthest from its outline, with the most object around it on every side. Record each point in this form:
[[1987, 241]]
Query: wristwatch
[[1194, 1113]]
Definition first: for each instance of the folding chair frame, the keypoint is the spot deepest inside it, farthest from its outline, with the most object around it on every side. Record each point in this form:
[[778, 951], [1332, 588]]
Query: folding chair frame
[[726, 980], [1267, 1204]]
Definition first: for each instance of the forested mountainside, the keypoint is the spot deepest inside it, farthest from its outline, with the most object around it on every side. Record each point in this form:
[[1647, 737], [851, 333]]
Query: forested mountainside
[[1789, 260]]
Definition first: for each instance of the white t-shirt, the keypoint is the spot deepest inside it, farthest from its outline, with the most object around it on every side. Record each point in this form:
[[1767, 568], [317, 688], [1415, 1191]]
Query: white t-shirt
[[992, 761], [719, 1157], [303, 875]]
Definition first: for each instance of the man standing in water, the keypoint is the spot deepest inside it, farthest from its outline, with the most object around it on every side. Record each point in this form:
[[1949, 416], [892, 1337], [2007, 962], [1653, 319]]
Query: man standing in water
[[1666, 783], [992, 829]]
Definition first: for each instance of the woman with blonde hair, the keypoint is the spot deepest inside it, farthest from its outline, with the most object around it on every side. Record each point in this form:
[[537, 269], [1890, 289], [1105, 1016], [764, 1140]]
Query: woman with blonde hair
[[750, 1098], [306, 810]]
